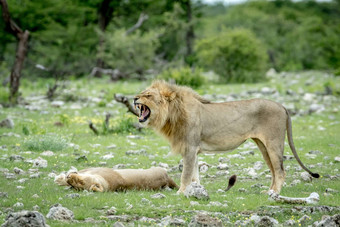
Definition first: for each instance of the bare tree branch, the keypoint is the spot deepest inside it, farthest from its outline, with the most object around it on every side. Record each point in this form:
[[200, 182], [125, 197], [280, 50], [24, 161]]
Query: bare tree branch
[[93, 128], [142, 17], [123, 99]]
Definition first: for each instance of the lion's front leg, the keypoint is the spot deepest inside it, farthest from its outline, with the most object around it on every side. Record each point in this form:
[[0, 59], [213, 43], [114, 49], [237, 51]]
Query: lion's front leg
[[196, 175], [189, 163]]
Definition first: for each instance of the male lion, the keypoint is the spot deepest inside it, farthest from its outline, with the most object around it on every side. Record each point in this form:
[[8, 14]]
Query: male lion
[[194, 125], [105, 179]]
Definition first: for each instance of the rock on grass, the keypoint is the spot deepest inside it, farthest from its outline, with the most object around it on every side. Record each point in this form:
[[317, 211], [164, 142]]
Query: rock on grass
[[197, 191], [58, 212], [25, 218]]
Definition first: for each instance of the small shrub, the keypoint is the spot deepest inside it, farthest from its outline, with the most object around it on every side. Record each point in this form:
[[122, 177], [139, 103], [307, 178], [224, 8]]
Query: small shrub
[[236, 55], [46, 142], [184, 76], [123, 124]]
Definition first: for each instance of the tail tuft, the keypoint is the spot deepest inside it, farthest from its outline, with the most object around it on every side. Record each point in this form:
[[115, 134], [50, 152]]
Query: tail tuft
[[315, 175]]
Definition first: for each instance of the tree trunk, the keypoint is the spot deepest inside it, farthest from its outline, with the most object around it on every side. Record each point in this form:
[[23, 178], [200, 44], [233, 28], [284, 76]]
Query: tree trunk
[[190, 35], [22, 37], [105, 13]]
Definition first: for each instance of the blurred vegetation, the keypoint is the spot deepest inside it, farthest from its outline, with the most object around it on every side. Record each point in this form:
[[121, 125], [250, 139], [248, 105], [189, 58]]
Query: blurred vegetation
[[238, 42], [184, 76], [236, 55]]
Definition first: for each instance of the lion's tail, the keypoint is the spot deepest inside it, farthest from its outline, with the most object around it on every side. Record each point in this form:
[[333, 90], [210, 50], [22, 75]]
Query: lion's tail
[[172, 183], [292, 146]]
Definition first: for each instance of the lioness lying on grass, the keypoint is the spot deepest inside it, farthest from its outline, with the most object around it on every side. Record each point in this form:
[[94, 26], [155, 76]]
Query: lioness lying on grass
[[106, 179]]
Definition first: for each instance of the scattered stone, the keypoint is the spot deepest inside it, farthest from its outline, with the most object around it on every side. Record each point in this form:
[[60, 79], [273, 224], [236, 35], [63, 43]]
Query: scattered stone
[[111, 211], [171, 221], [203, 219], [3, 195], [222, 166], [158, 196], [194, 203], [330, 190], [337, 159], [10, 176], [113, 146], [204, 168], [265, 221], [316, 108], [304, 218], [16, 158], [108, 156], [72, 196], [245, 153], [136, 152], [18, 171], [288, 157], [118, 224], [47, 153], [25, 218], [58, 212], [39, 162], [242, 190], [145, 201], [123, 218], [36, 207], [295, 182], [236, 156], [328, 221], [258, 165], [163, 165], [289, 223], [251, 172], [57, 104], [18, 204], [197, 191], [35, 175], [35, 196], [7, 123], [81, 158], [223, 160], [306, 176]]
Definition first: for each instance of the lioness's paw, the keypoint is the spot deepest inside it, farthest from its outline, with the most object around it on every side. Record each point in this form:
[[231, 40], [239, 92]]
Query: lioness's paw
[[75, 180], [96, 188]]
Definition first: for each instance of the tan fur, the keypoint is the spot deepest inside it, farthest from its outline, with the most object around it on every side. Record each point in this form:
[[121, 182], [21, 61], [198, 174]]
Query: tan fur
[[106, 179], [194, 125]]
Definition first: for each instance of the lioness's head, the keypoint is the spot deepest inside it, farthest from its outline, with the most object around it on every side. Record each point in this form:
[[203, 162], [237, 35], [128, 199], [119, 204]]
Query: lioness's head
[[153, 104]]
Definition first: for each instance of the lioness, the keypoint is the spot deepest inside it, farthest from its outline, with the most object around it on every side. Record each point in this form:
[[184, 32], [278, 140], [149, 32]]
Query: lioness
[[106, 179], [194, 125]]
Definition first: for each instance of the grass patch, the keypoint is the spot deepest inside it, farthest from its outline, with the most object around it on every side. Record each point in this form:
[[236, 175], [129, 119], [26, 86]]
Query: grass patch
[[47, 142]]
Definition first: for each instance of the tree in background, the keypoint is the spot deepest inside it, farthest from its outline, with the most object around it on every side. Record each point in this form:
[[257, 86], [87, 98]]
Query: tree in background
[[22, 38]]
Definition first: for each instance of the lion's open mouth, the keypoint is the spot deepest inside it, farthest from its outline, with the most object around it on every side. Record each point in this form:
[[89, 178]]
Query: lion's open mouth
[[144, 112]]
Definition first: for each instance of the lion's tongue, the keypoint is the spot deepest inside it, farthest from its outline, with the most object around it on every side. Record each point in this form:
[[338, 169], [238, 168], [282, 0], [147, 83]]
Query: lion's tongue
[[145, 113]]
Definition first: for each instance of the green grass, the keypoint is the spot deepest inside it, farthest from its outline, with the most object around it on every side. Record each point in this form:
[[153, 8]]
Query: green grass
[[33, 131]]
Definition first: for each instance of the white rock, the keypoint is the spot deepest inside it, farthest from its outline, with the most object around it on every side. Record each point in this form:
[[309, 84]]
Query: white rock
[[57, 103], [197, 191], [39, 162], [7, 123]]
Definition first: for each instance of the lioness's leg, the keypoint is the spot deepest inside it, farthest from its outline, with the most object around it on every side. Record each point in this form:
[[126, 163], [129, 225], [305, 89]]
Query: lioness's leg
[[275, 152], [265, 155], [189, 159]]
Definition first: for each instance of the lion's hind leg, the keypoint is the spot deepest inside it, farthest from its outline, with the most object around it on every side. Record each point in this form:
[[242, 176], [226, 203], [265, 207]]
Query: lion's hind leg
[[97, 188], [266, 157], [275, 152]]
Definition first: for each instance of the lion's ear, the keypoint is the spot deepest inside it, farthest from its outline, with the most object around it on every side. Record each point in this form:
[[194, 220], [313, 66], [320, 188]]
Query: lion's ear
[[169, 95]]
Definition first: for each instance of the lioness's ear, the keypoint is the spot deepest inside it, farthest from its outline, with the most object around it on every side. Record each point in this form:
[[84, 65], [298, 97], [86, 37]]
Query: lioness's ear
[[169, 95]]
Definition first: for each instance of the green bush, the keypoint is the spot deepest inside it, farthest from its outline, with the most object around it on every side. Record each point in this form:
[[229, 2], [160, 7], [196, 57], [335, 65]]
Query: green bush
[[48, 142], [132, 53], [236, 55], [184, 76]]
